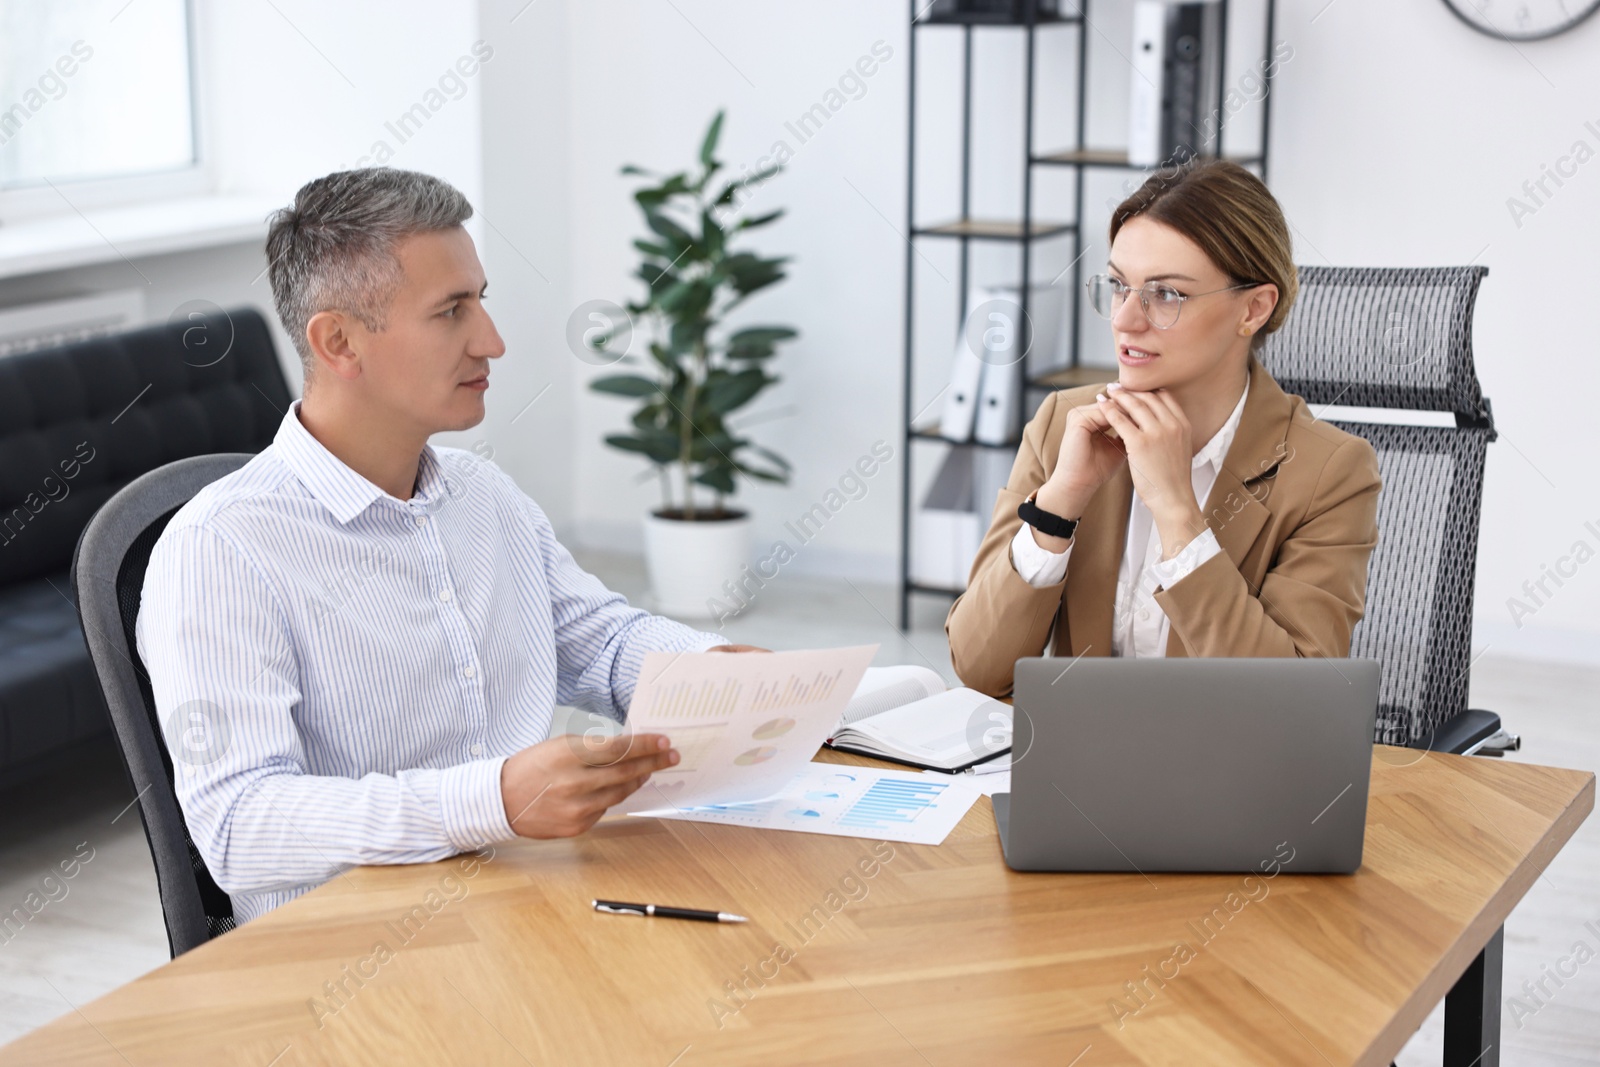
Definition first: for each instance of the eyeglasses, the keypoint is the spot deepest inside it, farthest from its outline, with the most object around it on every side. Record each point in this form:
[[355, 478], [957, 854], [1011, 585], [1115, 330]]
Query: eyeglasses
[[1161, 302]]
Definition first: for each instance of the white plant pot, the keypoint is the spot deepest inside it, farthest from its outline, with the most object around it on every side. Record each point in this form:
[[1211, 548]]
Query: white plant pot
[[689, 562]]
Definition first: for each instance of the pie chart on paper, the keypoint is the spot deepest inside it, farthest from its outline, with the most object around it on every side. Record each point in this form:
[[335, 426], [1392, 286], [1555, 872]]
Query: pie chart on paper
[[773, 728], [755, 755]]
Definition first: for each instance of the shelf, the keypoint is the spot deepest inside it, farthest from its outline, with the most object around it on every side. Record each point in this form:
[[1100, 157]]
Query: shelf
[[1072, 377], [918, 587], [931, 433], [980, 18], [993, 230], [1116, 158]]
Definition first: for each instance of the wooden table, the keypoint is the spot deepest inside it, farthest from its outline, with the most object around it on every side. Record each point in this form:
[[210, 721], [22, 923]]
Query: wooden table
[[860, 951]]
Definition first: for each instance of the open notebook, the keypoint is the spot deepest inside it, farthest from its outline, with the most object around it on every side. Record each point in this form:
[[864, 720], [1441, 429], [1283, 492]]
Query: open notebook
[[906, 715]]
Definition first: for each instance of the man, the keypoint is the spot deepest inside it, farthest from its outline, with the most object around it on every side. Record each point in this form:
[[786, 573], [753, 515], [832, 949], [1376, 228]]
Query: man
[[368, 633]]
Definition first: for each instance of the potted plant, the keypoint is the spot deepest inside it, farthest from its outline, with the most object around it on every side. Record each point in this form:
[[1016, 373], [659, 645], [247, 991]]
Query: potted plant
[[697, 375]]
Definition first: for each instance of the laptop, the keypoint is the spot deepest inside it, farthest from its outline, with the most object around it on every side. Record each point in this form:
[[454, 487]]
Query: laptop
[[1223, 765]]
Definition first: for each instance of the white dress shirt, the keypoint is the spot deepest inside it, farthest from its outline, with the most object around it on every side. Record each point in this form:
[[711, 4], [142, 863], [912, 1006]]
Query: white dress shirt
[[1139, 627], [341, 674]]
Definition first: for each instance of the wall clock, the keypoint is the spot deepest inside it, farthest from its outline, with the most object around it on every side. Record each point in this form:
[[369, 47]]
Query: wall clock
[[1522, 20]]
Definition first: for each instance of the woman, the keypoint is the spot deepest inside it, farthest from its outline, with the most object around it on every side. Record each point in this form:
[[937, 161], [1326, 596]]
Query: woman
[[1191, 508]]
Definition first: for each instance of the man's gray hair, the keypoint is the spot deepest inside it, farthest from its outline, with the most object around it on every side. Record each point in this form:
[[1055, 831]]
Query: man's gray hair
[[334, 248]]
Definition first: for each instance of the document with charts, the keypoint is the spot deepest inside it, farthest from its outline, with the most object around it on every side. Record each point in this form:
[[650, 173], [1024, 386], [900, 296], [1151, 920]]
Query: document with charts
[[743, 723], [848, 801]]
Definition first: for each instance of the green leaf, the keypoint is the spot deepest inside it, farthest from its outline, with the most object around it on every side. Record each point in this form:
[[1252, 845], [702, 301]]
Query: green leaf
[[657, 449], [652, 196], [757, 342], [761, 335], [748, 277], [662, 356], [632, 169], [773, 458], [712, 239], [626, 385], [649, 248], [761, 220], [725, 392], [687, 299], [669, 229], [687, 333], [754, 178], [708, 147], [659, 282], [765, 476], [718, 477]]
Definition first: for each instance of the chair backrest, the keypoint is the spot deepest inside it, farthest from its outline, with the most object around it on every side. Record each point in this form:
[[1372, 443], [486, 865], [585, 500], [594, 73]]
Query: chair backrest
[[80, 421], [108, 576], [1400, 338]]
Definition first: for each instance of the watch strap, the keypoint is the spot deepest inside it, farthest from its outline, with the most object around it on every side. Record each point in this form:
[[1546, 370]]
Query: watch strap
[[1044, 521]]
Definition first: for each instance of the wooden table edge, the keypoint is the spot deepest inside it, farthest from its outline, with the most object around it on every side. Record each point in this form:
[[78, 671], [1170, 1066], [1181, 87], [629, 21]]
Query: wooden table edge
[[1454, 963]]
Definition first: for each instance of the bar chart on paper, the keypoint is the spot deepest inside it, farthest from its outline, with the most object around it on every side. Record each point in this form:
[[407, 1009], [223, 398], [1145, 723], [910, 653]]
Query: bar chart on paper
[[891, 802], [827, 798]]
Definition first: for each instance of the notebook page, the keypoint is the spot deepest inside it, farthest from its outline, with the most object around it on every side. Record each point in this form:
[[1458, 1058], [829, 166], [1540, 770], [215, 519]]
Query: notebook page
[[883, 688], [955, 723]]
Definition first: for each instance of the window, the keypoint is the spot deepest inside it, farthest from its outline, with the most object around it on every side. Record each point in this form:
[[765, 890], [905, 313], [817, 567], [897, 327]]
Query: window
[[96, 103]]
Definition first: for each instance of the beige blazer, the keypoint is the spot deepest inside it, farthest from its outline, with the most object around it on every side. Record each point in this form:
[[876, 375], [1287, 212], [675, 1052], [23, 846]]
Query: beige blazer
[[1294, 508]]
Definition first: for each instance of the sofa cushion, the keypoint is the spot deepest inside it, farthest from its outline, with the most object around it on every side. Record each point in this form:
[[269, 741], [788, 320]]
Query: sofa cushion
[[48, 692], [80, 421]]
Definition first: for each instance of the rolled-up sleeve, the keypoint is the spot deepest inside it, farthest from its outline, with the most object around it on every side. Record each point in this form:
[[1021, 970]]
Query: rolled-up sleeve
[[1037, 566]]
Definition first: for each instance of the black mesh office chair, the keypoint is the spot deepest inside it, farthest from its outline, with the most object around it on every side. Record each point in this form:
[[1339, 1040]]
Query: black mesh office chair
[[1400, 339], [108, 575]]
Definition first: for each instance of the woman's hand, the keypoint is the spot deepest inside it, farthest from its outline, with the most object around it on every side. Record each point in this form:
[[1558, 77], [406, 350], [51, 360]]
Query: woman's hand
[[1090, 454], [1156, 434]]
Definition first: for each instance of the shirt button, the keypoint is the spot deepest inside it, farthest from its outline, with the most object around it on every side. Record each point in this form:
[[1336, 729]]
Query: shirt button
[[422, 520], [469, 670], [444, 594], [477, 750], [1144, 616]]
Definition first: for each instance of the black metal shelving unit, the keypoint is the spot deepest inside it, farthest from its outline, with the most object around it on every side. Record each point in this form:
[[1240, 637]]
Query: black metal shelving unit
[[1026, 231]]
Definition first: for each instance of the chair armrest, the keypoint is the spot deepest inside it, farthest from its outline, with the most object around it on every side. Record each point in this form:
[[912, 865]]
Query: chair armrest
[[1467, 733]]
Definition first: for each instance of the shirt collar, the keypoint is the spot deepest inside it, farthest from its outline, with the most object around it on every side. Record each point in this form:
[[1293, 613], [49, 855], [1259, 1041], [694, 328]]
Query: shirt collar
[[1216, 448], [341, 490]]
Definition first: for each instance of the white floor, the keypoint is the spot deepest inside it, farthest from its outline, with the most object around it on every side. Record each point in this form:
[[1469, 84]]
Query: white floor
[[103, 926]]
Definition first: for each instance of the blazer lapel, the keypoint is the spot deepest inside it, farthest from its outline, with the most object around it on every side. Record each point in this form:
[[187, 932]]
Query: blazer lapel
[[1236, 509], [1092, 568]]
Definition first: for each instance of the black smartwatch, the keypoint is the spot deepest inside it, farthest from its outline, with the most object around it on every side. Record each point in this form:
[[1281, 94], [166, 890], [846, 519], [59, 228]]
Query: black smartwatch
[[1043, 521]]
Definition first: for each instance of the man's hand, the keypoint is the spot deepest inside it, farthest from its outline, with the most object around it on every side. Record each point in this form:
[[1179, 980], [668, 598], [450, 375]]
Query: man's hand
[[561, 787]]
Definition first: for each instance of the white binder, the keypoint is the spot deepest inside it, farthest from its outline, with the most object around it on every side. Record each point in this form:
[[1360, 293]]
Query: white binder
[[1176, 54], [947, 529], [1000, 395], [999, 419], [1149, 77], [966, 375]]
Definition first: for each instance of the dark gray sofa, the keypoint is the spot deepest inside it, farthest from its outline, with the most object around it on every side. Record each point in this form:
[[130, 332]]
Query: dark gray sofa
[[77, 423]]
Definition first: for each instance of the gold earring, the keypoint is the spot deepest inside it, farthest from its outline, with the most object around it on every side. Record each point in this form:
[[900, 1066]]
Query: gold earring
[[1246, 332]]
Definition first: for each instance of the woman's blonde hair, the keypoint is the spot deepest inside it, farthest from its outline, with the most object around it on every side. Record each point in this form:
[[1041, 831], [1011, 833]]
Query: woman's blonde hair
[[1234, 219]]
